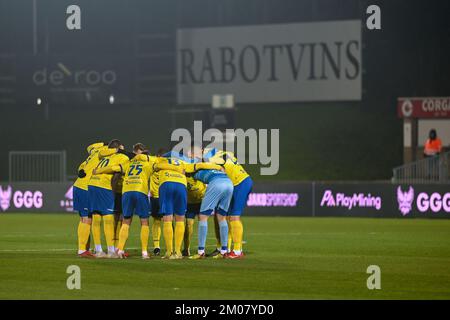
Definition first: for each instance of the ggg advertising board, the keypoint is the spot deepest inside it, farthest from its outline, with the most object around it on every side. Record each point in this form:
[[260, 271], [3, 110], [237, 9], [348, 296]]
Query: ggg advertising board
[[345, 199], [266, 199], [382, 200], [36, 197], [423, 200]]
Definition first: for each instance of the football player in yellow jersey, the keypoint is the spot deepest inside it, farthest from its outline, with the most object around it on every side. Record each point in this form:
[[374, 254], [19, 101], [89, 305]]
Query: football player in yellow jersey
[[101, 198], [97, 218], [195, 193], [173, 199], [242, 187], [80, 196], [137, 172], [154, 203]]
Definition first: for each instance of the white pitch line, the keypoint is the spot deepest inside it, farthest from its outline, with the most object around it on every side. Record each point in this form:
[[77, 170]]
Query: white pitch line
[[25, 235], [36, 250]]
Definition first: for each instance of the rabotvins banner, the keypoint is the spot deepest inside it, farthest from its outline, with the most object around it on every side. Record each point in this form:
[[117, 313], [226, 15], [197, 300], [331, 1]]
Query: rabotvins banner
[[316, 61], [349, 199]]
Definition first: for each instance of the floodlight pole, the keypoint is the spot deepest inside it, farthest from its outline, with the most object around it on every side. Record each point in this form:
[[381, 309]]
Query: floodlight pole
[[35, 46]]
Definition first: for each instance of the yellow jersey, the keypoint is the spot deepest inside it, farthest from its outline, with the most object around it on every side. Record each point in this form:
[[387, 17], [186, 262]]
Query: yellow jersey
[[137, 174], [154, 184], [233, 169], [91, 162], [167, 174], [104, 180], [94, 146], [171, 175], [195, 190], [155, 178]]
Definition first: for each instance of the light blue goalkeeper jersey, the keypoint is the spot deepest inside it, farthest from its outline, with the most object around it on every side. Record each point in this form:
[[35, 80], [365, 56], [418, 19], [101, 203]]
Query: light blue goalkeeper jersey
[[206, 176]]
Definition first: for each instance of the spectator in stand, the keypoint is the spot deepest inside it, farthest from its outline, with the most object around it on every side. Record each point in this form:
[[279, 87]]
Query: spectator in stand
[[432, 149], [433, 146]]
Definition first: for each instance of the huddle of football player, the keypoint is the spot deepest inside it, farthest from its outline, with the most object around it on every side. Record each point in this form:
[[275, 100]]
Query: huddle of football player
[[114, 185]]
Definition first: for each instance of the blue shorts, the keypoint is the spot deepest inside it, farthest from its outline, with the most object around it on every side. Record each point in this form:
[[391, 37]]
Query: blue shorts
[[81, 201], [193, 209], [134, 202], [154, 204], [240, 196], [100, 200], [172, 198], [217, 196]]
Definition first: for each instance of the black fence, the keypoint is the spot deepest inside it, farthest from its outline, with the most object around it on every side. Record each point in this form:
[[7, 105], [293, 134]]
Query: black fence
[[306, 199]]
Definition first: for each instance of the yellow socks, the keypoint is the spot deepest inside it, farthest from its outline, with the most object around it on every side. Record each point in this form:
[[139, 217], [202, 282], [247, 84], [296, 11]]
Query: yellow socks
[[145, 233], [96, 231], [117, 232], [156, 232], [188, 233], [179, 236], [230, 234], [168, 236], [168, 233], [108, 226], [123, 236], [237, 231], [84, 231]]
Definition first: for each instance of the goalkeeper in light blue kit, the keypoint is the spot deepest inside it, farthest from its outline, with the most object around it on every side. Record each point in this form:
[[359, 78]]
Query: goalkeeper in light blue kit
[[217, 199]]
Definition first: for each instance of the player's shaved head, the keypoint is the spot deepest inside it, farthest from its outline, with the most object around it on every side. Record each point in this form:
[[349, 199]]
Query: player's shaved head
[[115, 143], [139, 148]]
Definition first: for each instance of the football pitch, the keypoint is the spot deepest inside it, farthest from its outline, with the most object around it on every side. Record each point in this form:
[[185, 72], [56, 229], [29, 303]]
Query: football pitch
[[286, 258]]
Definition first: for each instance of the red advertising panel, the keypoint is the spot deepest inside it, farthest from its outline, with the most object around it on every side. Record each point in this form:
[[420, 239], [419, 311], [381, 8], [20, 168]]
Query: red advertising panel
[[428, 107]]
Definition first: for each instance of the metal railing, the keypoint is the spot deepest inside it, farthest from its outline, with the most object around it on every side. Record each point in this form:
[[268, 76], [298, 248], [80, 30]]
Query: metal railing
[[428, 170], [37, 166]]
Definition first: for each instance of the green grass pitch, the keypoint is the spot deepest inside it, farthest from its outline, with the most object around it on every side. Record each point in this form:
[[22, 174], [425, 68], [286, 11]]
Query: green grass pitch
[[287, 258]]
